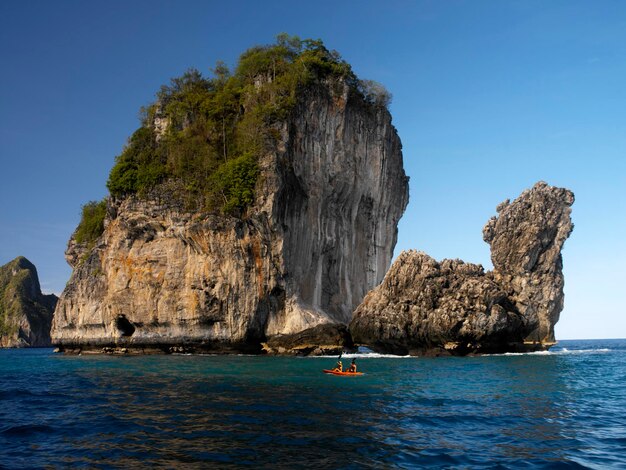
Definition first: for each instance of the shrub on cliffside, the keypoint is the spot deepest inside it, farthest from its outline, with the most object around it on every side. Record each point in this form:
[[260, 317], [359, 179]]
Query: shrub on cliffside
[[234, 183], [91, 224]]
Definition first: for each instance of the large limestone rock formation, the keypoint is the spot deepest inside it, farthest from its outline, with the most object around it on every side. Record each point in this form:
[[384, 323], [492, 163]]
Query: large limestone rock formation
[[452, 307], [320, 234], [25, 313]]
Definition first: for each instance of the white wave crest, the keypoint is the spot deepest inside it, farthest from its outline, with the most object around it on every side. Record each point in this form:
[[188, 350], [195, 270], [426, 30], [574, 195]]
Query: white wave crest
[[557, 352], [367, 353], [371, 355], [583, 351], [531, 353]]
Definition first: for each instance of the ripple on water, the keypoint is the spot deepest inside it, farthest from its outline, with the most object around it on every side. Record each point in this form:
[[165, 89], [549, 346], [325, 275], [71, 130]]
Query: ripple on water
[[532, 411]]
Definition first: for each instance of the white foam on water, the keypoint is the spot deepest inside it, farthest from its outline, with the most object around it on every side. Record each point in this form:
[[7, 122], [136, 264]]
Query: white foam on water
[[532, 353], [559, 352], [583, 351], [376, 355], [365, 356], [367, 353]]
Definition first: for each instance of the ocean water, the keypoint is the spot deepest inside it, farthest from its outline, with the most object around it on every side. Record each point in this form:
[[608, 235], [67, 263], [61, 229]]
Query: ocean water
[[562, 409]]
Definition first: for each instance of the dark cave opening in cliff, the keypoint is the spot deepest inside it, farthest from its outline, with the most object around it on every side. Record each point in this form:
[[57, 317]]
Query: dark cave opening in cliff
[[124, 325]]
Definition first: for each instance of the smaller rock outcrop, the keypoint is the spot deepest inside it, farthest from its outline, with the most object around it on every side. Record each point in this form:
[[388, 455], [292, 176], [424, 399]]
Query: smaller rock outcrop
[[325, 339], [25, 313], [526, 240], [425, 307], [451, 307]]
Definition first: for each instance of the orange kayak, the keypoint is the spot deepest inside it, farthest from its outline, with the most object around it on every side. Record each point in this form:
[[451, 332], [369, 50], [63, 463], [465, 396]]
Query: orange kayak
[[334, 372]]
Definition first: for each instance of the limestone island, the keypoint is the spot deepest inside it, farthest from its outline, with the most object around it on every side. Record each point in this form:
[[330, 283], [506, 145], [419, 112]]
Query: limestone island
[[25, 313], [247, 208], [254, 210]]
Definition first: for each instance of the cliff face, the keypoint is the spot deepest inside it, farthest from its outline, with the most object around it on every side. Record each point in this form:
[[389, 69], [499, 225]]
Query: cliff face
[[320, 234], [25, 313], [344, 190], [452, 307]]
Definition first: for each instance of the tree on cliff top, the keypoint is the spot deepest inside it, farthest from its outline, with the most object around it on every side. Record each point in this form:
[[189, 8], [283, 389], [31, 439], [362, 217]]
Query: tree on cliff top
[[204, 135]]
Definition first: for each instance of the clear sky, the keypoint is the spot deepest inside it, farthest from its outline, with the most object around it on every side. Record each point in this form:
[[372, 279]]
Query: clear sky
[[488, 98]]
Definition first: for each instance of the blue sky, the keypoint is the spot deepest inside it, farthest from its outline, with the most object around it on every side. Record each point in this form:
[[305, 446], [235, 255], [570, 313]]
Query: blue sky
[[488, 98]]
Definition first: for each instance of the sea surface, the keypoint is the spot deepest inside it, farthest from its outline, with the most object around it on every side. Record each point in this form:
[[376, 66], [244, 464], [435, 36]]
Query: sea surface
[[561, 409]]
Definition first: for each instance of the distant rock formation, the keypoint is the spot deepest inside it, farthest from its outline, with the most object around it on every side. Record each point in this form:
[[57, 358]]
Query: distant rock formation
[[25, 313], [452, 307], [320, 234]]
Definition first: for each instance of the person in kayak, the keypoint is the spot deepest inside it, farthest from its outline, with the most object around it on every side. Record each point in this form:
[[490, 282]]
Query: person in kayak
[[352, 367], [338, 367]]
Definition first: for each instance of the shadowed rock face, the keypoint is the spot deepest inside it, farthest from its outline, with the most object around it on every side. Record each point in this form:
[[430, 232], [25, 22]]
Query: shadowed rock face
[[25, 313], [320, 234], [325, 339], [452, 307], [425, 307]]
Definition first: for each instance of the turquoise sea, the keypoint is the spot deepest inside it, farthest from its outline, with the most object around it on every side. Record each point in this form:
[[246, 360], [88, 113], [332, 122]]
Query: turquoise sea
[[562, 409]]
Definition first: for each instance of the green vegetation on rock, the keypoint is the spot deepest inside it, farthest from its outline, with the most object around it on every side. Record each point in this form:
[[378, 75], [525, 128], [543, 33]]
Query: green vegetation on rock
[[21, 300], [235, 180], [205, 135], [11, 284], [91, 223]]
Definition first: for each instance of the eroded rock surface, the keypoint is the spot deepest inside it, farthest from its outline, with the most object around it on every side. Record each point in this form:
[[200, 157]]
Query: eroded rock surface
[[325, 339], [451, 307], [25, 313], [526, 239], [320, 234]]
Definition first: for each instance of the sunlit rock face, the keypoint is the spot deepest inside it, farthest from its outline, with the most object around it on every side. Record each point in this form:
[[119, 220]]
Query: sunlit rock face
[[526, 239], [451, 307], [320, 234]]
